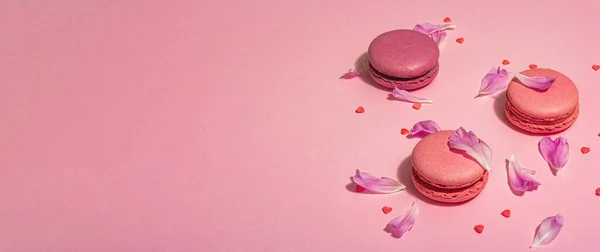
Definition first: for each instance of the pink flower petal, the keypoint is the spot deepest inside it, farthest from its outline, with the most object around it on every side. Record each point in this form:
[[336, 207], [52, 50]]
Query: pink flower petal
[[436, 32], [472, 146], [350, 74], [519, 177], [555, 152], [423, 129], [495, 80], [548, 230], [375, 184], [541, 83], [403, 223], [429, 29], [404, 95]]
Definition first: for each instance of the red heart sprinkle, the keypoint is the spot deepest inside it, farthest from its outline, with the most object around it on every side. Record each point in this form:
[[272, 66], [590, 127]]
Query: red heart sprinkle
[[596, 67], [360, 188], [598, 191], [417, 106], [532, 66], [585, 150], [386, 209], [404, 131], [360, 109], [599, 134], [505, 62], [447, 20], [506, 213], [460, 40], [478, 229]]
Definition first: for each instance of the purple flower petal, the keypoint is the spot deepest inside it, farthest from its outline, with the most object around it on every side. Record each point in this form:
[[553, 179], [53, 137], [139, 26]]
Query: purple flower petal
[[519, 177], [541, 83], [423, 129], [404, 95], [350, 74], [555, 152], [429, 29], [473, 147], [495, 80], [403, 223], [548, 230], [436, 32], [375, 184]]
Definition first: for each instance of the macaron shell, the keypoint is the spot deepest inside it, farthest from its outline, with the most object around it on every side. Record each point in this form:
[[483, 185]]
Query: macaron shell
[[449, 195], [403, 53], [558, 101], [439, 166], [405, 84]]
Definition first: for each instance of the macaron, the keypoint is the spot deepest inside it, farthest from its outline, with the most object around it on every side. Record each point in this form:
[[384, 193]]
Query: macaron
[[445, 175], [405, 59], [542, 112]]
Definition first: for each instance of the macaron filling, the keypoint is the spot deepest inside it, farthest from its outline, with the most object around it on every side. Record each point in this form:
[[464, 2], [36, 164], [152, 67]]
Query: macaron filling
[[446, 187], [394, 78], [512, 110]]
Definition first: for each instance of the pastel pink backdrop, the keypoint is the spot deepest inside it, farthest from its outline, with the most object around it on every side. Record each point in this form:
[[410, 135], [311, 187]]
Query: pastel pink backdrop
[[223, 126]]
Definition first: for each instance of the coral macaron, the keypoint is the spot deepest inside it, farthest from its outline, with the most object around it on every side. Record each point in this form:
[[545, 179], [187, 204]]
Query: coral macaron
[[405, 59], [445, 175], [542, 112]]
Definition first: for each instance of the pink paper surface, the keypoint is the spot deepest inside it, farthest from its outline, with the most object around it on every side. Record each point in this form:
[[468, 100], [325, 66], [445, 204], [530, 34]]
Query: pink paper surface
[[224, 126]]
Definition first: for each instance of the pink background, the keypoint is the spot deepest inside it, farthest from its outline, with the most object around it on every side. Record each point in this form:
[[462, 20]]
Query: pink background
[[223, 126]]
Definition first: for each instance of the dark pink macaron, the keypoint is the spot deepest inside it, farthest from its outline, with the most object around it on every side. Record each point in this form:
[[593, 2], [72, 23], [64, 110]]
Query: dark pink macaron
[[405, 59], [542, 112], [444, 175]]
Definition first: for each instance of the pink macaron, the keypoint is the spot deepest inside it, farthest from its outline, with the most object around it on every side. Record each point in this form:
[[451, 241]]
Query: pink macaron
[[405, 59], [542, 112], [444, 175]]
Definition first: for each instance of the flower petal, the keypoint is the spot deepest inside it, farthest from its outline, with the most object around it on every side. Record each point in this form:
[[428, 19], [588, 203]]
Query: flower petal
[[438, 37], [375, 184], [541, 83], [403, 223], [350, 74], [429, 29], [555, 152], [473, 147], [548, 230], [519, 177], [495, 80], [404, 95], [423, 129]]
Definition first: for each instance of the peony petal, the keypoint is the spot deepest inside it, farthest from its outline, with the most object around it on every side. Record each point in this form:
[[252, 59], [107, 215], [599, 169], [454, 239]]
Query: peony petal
[[350, 74], [548, 230], [404, 95], [472, 146], [429, 29], [403, 223], [555, 152], [519, 177], [541, 83], [423, 129], [495, 80], [438, 37], [375, 184]]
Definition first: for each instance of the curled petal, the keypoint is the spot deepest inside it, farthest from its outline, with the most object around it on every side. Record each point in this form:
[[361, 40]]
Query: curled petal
[[548, 230], [404, 95], [555, 152], [350, 74], [519, 178], [403, 223], [375, 184], [423, 129], [438, 37], [495, 80], [427, 28], [540, 83], [472, 146]]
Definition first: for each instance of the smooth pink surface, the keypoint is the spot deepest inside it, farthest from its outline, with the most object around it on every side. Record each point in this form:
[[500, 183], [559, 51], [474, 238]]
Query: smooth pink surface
[[433, 159], [223, 126], [403, 53]]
